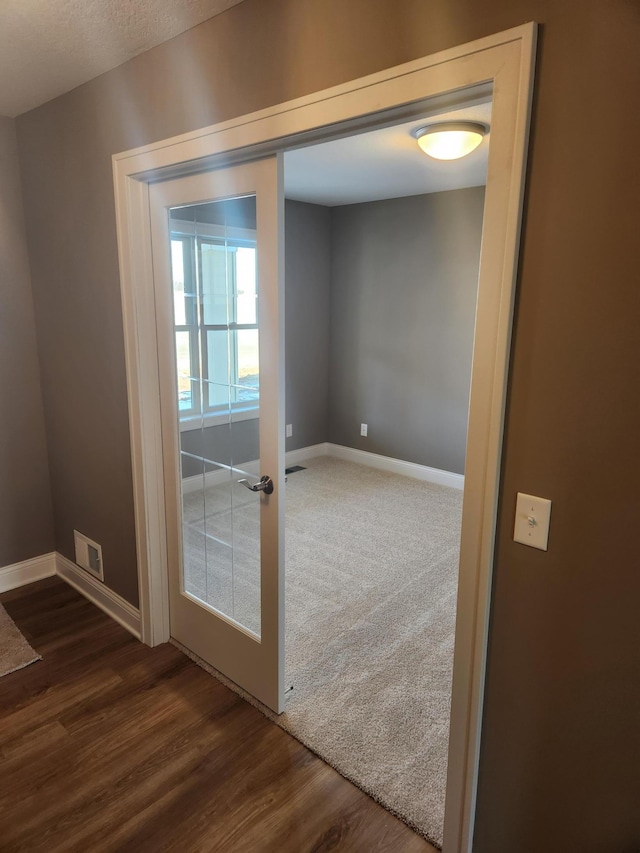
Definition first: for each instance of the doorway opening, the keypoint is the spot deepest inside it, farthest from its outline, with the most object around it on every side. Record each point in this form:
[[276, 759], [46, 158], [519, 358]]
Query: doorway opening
[[452, 77], [382, 260], [382, 254]]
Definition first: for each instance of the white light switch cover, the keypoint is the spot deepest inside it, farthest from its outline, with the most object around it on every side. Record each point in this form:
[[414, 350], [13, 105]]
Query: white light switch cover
[[532, 521]]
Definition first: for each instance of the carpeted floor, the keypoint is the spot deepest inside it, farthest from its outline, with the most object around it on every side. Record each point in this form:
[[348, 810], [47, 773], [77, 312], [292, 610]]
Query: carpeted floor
[[15, 651], [371, 579]]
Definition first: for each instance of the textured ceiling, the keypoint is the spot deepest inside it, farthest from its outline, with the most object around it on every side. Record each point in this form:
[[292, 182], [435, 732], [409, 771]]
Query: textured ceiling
[[48, 47]]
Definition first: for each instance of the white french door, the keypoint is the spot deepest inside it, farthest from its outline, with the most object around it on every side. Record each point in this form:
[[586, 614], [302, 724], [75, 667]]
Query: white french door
[[217, 263]]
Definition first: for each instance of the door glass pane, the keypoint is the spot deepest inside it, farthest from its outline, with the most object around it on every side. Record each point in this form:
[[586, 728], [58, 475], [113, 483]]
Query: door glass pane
[[219, 344], [246, 293], [186, 389], [177, 268], [213, 249], [217, 272], [248, 380]]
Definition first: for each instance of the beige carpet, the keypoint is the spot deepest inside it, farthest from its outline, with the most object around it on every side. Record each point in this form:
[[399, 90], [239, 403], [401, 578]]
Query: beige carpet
[[15, 651], [371, 578]]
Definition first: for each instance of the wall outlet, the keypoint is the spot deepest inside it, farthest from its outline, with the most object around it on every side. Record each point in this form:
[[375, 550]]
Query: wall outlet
[[289, 430], [88, 555], [363, 429]]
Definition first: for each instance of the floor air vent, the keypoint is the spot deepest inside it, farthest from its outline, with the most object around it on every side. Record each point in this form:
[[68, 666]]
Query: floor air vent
[[88, 554], [294, 468]]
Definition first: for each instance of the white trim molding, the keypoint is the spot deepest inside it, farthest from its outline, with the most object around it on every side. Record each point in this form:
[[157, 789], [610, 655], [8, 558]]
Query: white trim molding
[[27, 571], [49, 565], [106, 599], [397, 466], [193, 423], [499, 67], [293, 457]]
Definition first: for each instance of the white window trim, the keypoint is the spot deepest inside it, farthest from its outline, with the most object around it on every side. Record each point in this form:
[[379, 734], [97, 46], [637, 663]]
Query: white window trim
[[212, 419], [219, 232]]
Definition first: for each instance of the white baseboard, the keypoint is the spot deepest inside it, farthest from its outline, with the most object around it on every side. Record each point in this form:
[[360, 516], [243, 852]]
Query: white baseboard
[[221, 475], [113, 605], [349, 454], [28, 571], [397, 466], [292, 457]]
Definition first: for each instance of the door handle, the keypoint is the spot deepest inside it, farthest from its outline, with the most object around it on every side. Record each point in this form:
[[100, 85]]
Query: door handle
[[264, 485]]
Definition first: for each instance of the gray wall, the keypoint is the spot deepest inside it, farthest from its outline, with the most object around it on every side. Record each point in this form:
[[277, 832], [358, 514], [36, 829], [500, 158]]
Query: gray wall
[[307, 293], [404, 275], [228, 444], [26, 521], [558, 767]]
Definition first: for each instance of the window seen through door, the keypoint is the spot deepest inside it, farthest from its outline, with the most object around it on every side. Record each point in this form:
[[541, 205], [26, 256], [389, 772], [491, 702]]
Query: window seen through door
[[216, 322]]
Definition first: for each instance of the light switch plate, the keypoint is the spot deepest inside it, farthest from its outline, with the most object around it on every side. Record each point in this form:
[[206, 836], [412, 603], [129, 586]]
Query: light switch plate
[[532, 521]]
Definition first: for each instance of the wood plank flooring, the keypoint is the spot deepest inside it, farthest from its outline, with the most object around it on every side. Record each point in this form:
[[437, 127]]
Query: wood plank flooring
[[108, 745]]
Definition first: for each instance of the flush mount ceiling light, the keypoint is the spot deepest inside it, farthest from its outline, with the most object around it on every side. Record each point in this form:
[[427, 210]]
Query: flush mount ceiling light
[[450, 140]]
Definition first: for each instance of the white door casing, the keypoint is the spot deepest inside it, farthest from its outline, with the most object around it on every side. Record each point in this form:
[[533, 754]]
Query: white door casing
[[502, 64]]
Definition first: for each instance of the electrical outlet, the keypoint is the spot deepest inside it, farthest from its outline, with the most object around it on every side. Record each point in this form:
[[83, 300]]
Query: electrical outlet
[[289, 430], [363, 429]]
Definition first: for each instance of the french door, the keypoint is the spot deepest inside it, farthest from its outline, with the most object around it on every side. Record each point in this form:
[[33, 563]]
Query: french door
[[217, 263]]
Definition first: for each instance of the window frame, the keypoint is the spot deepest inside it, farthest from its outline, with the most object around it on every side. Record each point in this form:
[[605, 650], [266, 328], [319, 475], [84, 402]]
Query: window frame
[[200, 413]]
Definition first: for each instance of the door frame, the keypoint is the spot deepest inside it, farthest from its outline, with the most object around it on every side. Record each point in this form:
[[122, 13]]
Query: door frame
[[502, 65]]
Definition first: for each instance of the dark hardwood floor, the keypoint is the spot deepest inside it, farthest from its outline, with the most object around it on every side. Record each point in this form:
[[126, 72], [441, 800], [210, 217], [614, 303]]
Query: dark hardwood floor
[[108, 745]]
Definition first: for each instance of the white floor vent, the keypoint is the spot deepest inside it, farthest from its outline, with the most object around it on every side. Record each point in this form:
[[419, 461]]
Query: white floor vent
[[88, 554]]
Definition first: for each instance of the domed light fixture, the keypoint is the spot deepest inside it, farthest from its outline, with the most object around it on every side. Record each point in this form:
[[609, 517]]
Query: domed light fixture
[[450, 140]]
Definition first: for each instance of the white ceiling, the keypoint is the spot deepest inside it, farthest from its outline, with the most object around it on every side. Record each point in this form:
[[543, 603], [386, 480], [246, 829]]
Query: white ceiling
[[48, 47], [384, 163]]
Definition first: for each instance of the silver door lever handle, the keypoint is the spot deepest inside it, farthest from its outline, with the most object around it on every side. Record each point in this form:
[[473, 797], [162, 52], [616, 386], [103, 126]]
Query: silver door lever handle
[[265, 485]]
